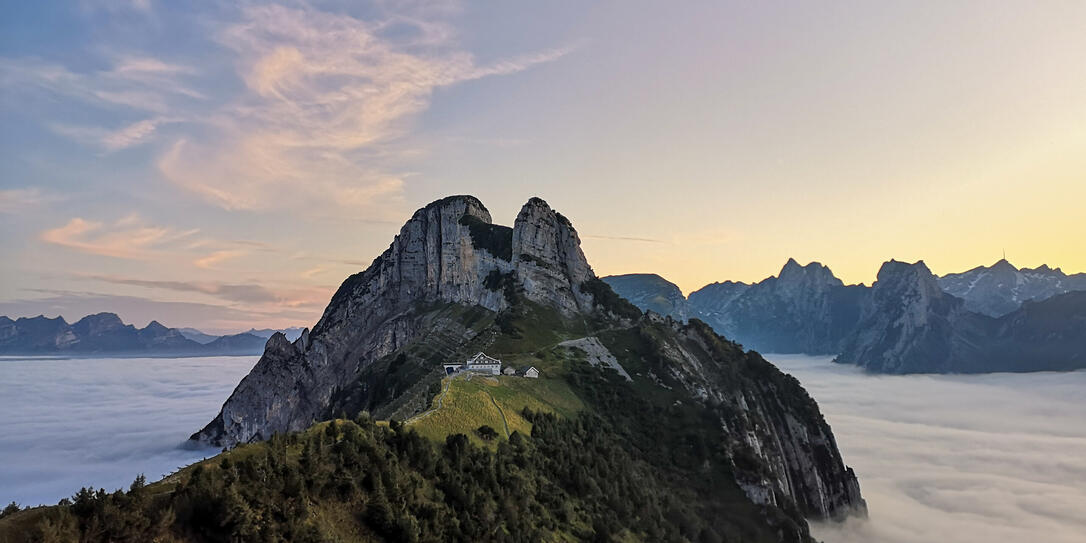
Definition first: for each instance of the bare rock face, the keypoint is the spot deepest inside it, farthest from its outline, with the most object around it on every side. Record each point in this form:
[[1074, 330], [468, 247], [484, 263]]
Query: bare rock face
[[550, 264], [448, 252], [910, 325], [772, 419]]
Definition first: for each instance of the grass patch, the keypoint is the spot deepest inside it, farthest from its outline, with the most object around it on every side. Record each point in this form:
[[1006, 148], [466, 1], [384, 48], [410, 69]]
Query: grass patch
[[548, 395], [465, 407], [471, 404]]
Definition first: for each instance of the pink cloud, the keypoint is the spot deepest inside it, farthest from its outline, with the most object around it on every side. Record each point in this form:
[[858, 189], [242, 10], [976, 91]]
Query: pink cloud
[[129, 238]]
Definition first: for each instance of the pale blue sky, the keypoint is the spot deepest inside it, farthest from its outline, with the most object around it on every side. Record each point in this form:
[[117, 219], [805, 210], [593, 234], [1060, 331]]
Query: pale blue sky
[[226, 166]]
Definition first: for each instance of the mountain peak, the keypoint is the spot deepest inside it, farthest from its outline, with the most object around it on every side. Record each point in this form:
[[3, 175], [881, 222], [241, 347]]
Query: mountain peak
[[448, 254], [892, 268], [1003, 264], [548, 259], [470, 204], [791, 265], [899, 277], [155, 326], [813, 273], [97, 323]]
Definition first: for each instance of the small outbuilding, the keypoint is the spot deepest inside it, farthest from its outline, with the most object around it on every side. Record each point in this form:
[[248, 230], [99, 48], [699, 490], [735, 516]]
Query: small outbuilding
[[509, 370], [531, 373]]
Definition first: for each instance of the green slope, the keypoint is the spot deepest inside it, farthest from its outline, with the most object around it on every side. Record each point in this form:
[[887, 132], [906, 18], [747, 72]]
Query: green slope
[[469, 402]]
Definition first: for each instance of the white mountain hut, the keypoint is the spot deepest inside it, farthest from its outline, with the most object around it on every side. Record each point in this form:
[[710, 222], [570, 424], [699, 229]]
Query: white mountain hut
[[480, 363]]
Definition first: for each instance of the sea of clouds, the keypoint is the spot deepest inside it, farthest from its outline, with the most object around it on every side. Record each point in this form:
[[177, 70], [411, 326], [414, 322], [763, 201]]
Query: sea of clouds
[[69, 423], [954, 458]]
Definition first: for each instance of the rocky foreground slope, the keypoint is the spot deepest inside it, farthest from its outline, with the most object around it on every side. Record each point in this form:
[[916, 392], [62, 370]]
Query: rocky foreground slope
[[452, 283]]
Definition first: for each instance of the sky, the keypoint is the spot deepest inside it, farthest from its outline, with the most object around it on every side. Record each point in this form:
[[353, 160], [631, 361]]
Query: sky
[[228, 166]]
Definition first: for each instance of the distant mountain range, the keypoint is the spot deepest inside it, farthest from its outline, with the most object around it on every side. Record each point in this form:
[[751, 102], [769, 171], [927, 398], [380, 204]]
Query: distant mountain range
[[105, 334], [292, 334], [996, 318], [1002, 288], [806, 309]]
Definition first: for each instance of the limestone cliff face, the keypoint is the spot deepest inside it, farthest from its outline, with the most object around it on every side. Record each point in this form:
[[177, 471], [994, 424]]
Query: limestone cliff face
[[910, 325], [549, 261], [448, 252], [771, 418]]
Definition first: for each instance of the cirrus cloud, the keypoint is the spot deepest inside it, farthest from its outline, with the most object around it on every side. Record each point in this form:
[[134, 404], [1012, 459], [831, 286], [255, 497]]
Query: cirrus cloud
[[128, 238], [326, 96]]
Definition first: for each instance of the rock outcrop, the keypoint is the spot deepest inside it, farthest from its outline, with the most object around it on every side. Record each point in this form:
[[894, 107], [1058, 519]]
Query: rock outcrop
[[452, 283], [448, 252], [770, 415], [908, 325], [550, 265]]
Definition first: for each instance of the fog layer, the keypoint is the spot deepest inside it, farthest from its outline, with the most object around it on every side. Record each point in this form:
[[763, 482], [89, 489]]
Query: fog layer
[[956, 459], [69, 423]]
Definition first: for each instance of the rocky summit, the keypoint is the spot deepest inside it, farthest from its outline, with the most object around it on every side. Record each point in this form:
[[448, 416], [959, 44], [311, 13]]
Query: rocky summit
[[448, 252], [910, 325], [452, 283]]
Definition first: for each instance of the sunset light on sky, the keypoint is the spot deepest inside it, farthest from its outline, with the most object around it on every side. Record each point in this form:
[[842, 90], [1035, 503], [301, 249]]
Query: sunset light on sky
[[227, 167]]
